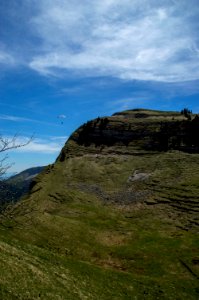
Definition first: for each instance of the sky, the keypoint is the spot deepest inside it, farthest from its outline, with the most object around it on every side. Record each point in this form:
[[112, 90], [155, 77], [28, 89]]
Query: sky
[[64, 62]]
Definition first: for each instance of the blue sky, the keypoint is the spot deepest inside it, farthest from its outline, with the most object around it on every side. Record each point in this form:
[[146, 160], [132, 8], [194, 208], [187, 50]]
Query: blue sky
[[84, 59]]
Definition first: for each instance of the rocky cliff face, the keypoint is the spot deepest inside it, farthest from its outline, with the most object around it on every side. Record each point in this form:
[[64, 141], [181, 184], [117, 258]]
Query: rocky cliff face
[[128, 158], [135, 131]]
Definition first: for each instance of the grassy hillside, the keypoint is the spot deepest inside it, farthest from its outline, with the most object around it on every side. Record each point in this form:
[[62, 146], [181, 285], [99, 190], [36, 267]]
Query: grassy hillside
[[105, 225]]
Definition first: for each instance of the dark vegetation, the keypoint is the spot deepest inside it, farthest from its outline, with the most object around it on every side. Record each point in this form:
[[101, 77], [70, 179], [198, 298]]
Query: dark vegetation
[[169, 135], [13, 188], [187, 113]]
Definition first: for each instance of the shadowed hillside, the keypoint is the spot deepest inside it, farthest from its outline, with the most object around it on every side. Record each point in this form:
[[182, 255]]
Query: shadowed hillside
[[13, 188], [116, 216]]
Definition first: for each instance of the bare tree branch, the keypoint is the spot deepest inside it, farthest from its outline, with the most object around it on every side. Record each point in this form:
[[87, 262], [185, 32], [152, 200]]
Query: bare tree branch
[[9, 210], [4, 167], [7, 144]]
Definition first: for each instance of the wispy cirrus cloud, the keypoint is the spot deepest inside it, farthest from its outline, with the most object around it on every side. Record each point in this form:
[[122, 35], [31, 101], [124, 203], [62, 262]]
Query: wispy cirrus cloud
[[135, 100], [59, 138], [22, 119], [14, 118], [6, 58], [130, 39], [142, 40]]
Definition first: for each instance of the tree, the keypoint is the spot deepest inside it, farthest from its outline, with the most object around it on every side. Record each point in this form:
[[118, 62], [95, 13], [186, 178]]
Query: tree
[[187, 113], [7, 144], [9, 211]]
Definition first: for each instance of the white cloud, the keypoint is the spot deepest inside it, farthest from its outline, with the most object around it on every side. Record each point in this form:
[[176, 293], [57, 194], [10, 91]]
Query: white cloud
[[143, 40], [14, 118], [42, 146], [129, 102], [6, 58], [21, 119], [61, 138], [128, 39]]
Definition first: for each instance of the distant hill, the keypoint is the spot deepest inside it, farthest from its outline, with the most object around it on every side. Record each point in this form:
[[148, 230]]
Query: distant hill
[[115, 217], [16, 186], [26, 175]]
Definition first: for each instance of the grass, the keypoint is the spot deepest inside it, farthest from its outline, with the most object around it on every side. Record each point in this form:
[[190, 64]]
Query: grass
[[98, 258], [84, 243]]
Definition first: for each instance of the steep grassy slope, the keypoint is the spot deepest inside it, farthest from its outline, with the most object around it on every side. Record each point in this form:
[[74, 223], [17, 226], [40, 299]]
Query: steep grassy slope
[[106, 223]]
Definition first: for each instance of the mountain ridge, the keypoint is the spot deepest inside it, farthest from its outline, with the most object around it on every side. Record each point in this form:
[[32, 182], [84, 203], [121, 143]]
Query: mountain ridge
[[85, 165], [141, 130], [110, 220]]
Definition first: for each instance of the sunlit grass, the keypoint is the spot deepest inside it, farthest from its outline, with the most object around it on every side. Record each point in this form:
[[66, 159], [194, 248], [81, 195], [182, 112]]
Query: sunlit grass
[[83, 244]]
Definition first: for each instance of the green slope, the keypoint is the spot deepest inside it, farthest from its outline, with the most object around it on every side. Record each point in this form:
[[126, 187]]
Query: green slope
[[105, 226]]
